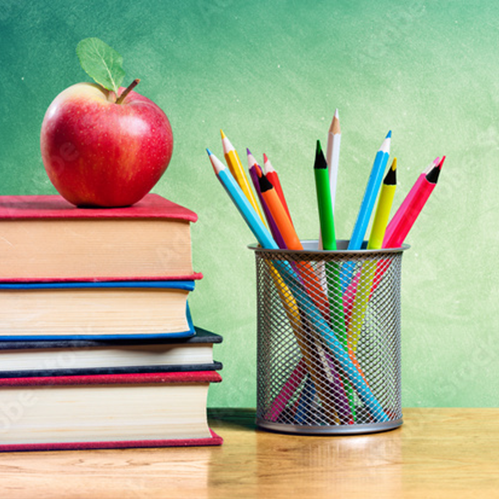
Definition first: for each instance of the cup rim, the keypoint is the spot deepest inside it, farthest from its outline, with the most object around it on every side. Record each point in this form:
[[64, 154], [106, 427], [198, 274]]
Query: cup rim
[[310, 245]]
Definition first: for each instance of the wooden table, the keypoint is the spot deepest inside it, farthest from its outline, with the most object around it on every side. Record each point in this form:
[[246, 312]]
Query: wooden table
[[437, 453]]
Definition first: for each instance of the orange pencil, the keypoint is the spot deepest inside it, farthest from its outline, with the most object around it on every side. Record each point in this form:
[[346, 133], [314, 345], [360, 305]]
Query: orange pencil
[[288, 234], [279, 214]]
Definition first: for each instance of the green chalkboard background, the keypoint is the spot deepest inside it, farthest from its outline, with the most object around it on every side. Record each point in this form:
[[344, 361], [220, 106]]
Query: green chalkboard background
[[271, 74]]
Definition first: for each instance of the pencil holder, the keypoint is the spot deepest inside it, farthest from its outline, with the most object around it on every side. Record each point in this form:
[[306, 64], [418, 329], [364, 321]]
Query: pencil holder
[[328, 359]]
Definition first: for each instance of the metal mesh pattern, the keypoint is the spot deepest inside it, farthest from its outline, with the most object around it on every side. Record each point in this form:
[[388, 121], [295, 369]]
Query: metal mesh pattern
[[328, 341]]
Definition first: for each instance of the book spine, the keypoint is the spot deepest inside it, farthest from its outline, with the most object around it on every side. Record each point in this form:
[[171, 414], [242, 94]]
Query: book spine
[[114, 379], [99, 371]]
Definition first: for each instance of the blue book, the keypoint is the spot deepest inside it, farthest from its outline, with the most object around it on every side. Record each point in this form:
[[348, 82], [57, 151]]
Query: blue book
[[95, 310]]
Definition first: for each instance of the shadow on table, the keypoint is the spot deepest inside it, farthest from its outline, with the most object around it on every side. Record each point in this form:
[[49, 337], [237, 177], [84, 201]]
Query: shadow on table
[[236, 418]]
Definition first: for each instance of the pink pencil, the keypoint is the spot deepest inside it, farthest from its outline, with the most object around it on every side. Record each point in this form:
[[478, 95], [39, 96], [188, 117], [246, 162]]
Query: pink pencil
[[410, 210], [408, 199], [287, 391], [395, 241]]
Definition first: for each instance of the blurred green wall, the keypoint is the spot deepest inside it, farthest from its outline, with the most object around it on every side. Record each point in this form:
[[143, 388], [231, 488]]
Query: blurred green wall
[[271, 74]]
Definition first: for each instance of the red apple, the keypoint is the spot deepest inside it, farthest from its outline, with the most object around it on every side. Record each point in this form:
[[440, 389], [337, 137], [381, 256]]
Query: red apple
[[101, 153]]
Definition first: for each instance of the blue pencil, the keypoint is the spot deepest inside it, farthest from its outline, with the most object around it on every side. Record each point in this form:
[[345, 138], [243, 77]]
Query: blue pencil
[[238, 197], [366, 208], [370, 194]]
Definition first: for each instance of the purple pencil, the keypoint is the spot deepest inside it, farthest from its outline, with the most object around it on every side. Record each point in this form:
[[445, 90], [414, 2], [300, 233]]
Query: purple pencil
[[254, 169]]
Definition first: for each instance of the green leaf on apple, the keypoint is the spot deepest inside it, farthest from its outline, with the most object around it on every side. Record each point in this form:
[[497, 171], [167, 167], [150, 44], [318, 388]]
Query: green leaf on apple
[[101, 62]]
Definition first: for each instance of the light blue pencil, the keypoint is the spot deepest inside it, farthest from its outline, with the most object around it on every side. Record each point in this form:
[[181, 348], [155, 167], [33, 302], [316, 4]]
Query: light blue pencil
[[291, 280], [238, 197], [370, 194], [366, 207]]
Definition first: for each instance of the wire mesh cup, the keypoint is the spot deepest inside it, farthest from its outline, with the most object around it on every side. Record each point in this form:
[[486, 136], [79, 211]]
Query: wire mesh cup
[[328, 359]]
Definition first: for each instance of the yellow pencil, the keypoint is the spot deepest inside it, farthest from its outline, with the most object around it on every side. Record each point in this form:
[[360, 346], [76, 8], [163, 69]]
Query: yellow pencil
[[236, 168], [380, 221], [369, 267]]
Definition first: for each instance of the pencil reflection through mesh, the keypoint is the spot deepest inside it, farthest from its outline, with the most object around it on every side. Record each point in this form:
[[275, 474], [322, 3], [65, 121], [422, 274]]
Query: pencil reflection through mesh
[[341, 373]]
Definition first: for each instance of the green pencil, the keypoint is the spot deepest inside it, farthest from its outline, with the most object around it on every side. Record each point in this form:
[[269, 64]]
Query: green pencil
[[324, 200], [328, 236]]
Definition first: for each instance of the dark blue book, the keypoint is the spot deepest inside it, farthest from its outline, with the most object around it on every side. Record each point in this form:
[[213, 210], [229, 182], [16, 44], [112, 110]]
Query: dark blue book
[[20, 359]]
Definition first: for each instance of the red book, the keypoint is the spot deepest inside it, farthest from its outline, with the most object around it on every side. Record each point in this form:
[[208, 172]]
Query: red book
[[106, 411], [45, 238]]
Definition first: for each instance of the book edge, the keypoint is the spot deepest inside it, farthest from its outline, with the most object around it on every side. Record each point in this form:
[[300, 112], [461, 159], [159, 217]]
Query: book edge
[[214, 440], [201, 336], [158, 377], [146, 208], [116, 370], [196, 276]]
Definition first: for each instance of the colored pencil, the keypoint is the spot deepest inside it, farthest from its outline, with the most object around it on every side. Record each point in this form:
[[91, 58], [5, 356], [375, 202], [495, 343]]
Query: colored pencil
[[279, 214], [251, 160], [328, 242], [413, 208], [287, 391], [366, 208], [236, 168], [385, 202], [305, 401], [384, 265], [370, 194], [246, 209], [333, 154], [330, 272], [292, 242], [255, 173], [368, 271], [408, 199], [273, 178], [324, 202]]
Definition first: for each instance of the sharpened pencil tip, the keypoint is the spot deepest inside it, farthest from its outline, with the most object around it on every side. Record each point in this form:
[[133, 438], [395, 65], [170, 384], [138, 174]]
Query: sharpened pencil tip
[[335, 124], [265, 159], [222, 134], [265, 184], [389, 135], [248, 152], [320, 160], [209, 152], [391, 176], [441, 163]]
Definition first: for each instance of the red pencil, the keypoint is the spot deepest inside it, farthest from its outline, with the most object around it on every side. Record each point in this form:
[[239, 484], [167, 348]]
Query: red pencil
[[273, 178]]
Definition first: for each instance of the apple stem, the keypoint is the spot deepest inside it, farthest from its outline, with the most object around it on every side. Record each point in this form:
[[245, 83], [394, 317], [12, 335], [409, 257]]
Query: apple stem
[[127, 90]]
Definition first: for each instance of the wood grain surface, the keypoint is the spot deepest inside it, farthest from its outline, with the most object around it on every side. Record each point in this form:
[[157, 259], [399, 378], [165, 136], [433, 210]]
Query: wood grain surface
[[437, 453]]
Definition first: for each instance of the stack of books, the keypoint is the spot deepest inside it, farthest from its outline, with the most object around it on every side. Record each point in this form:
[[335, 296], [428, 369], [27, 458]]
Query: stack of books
[[97, 344]]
